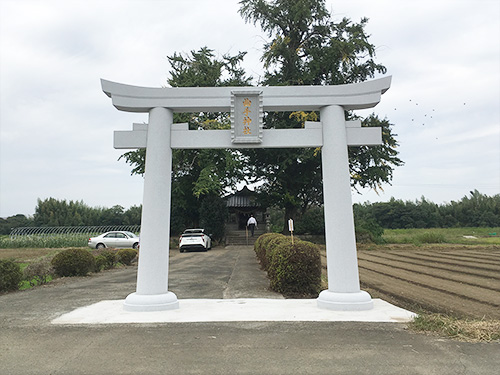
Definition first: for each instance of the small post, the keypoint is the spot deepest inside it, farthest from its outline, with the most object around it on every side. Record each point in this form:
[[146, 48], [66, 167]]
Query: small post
[[290, 228]]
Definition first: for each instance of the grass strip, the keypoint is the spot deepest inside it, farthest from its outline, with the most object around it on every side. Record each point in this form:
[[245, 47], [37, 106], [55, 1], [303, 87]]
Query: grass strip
[[469, 330]]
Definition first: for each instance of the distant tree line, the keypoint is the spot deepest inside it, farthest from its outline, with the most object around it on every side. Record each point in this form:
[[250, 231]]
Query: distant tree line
[[52, 213], [476, 210], [209, 212]]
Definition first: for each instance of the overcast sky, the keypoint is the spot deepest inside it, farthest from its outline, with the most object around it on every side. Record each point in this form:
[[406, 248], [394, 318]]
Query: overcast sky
[[56, 125]]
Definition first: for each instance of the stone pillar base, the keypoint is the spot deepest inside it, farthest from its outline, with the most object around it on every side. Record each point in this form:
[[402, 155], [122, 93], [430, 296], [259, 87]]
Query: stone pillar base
[[153, 302], [357, 301]]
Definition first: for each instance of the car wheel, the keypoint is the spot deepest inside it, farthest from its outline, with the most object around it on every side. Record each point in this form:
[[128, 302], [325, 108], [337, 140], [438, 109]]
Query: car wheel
[[135, 246], [180, 250], [100, 246]]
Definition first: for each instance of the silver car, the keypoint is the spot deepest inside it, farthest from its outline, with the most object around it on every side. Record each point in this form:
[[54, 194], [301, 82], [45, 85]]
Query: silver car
[[115, 239], [195, 239]]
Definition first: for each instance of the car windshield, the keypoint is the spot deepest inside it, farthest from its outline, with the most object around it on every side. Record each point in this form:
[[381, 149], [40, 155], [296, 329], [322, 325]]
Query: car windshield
[[130, 234]]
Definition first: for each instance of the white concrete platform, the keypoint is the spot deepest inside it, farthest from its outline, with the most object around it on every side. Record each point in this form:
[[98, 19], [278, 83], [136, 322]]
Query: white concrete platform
[[234, 310]]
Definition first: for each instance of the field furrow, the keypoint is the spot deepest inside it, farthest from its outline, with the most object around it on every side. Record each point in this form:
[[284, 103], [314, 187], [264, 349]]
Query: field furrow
[[469, 269], [437, 258], [469, 259], [488, 260], [453, 280], [430, 299], [456, 288], [461, 260], [482, 282]]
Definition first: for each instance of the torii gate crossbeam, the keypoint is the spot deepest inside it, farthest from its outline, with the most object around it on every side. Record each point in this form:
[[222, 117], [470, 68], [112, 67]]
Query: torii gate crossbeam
[[333, 134]]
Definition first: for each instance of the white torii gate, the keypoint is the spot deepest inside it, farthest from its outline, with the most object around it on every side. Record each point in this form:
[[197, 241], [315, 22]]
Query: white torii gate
[[247, 104]]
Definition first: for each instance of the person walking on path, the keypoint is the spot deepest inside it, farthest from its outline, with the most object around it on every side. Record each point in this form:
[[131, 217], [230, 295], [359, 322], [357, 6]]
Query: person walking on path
[[252, 224]]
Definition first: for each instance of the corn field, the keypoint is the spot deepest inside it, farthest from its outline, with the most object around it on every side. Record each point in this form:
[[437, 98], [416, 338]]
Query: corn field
[[57, 237]]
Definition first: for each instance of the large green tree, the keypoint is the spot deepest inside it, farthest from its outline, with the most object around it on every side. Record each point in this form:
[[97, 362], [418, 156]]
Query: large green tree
[[307, 47], [203, 173]]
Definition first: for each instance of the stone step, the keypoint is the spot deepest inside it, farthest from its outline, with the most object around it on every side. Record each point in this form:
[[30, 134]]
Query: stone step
[[241, 238], [241, 241], [242, 232], [237, 235]]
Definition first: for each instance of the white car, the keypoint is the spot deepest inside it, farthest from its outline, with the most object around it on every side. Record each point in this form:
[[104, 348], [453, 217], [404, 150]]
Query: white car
[[115, 239], [194, 239]]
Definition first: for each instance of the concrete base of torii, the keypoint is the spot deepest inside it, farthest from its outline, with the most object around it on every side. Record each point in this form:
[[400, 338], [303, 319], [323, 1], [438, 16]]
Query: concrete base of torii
[[357, 301], [153, 302]]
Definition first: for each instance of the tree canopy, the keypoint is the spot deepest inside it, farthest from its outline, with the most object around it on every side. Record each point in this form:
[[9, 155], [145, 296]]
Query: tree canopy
[[307, 47]]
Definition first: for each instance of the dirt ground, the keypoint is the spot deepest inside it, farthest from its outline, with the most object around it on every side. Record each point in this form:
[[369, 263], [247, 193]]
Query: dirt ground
[[458, 280], [26, 254]]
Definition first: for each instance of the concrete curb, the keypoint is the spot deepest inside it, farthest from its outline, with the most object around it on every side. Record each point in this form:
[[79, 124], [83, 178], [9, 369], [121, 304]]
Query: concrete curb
[[234, 310]]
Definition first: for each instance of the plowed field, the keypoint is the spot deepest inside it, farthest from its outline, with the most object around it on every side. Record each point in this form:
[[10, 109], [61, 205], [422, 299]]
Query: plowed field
[[458, 280]]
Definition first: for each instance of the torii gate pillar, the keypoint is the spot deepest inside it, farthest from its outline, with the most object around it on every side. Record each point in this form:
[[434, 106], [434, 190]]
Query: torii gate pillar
[[342, 263], [152, 281], [333, 134]]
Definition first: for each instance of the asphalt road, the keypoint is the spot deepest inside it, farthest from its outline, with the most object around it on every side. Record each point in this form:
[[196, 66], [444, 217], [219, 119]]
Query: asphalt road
[[30, 344]]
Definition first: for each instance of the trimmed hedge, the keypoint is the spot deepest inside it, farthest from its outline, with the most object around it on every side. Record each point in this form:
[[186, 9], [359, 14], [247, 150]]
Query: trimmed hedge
[[264, 245], [74, 262], [126, 256], [259, 246], [10, 275], [106, 259], [39, 272], [293, 270]]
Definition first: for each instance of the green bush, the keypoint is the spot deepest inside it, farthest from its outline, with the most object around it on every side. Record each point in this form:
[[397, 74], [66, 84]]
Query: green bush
[[107, 258], [261, 244], [74, 262], [265, 246], [100, 263], [39, 272], [10, 275], [368, 230], [271, 247], [295, 270], [126, 256]]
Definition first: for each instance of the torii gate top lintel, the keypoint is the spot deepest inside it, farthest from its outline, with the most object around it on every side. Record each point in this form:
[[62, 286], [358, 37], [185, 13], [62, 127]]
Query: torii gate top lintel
[[218, 99]]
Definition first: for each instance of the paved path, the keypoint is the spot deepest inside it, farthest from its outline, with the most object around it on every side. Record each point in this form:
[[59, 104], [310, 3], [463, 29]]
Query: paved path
[[29, 344]]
